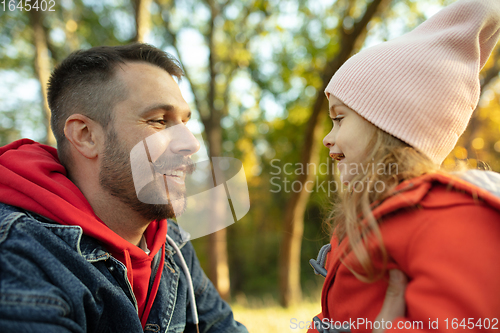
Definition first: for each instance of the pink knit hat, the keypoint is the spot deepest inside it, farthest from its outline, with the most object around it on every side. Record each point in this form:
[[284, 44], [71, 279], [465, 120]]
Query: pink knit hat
[[422, 87]]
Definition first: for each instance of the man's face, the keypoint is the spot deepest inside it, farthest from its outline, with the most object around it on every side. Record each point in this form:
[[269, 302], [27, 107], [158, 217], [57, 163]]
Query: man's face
[[154, 104]]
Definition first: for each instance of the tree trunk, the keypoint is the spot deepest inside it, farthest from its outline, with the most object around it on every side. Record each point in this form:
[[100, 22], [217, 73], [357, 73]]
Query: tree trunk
[[42, 67], [290, 290], [142, 19], [217, 242], [293, 229]]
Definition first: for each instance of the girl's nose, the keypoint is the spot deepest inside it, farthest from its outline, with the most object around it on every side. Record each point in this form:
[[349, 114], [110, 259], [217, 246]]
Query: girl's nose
[[329, 140]]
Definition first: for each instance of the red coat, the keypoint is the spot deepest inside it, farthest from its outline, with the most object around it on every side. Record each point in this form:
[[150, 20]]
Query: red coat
[[444, 234]]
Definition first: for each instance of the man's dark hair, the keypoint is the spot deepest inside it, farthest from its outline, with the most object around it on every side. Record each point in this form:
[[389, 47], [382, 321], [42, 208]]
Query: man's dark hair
[[85, 82]]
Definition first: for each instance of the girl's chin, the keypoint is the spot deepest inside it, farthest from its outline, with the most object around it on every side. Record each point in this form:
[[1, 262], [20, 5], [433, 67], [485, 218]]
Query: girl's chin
[[345, 176], [345, 179]]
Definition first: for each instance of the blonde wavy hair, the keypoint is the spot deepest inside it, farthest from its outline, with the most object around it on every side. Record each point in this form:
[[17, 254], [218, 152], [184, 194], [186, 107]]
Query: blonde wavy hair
[[352, 215]]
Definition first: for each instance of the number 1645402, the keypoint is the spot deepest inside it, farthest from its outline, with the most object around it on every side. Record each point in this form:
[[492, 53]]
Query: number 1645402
[[28, 5]]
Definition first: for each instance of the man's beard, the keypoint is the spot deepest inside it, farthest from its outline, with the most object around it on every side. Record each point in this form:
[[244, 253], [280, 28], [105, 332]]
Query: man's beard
[[116, 177]]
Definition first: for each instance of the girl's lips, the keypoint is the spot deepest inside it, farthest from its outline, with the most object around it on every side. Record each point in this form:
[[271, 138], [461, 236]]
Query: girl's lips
[[337, 156]]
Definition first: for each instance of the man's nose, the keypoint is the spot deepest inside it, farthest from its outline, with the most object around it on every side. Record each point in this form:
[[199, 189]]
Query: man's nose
[[183, 141]]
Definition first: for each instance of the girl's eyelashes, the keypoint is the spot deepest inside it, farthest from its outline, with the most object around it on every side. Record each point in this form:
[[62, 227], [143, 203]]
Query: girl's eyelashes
[[337, 119]]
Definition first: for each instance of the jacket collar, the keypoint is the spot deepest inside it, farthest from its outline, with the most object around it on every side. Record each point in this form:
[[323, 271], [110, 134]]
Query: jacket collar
[[88, 247], [411, 192]]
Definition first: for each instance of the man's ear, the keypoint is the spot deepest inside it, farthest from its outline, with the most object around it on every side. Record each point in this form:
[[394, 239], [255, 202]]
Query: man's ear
[[84, 134]]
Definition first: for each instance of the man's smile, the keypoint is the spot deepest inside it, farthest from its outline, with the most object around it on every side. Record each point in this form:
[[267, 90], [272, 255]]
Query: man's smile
[[177, 175]]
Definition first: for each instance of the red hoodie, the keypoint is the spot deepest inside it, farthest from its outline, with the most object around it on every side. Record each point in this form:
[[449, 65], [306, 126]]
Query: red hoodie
[[33, 179]]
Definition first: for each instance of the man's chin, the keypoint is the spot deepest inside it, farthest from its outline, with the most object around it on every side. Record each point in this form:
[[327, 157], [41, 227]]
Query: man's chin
[[156, 193], [179, 207], [166, 211]]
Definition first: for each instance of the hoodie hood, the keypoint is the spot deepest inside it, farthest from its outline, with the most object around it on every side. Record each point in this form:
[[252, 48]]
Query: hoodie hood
[[34, 179]]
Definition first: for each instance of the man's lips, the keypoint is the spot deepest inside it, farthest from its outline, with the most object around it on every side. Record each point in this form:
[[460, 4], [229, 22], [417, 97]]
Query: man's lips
[[337, 156], [177, 175]]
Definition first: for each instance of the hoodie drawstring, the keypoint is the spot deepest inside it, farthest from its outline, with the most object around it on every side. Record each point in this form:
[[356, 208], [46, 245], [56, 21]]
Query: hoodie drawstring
[[185, 268], [319, 264]]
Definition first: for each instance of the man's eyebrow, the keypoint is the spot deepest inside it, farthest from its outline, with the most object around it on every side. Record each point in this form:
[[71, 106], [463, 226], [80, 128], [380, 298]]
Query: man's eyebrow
[[165, 107]]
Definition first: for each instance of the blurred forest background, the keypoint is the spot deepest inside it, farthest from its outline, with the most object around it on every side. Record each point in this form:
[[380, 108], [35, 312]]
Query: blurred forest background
[[255, 75]]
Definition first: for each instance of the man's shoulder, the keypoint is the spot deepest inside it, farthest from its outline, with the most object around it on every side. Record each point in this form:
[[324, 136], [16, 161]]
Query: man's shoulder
[[16, 222], [8, 213], [7, 210], [9, 216]]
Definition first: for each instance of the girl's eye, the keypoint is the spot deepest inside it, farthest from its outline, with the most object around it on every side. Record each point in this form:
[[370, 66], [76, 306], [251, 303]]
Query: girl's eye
[[337, 119]]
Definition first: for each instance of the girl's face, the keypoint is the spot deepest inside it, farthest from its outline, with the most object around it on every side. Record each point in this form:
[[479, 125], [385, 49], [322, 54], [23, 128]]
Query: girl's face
[[348, 140]]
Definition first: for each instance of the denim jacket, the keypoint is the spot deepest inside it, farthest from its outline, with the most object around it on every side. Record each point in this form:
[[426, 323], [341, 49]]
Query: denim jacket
[[53, 278]]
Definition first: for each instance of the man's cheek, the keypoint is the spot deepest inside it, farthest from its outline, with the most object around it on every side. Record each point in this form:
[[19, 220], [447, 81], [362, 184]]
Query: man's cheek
[[158, 143]]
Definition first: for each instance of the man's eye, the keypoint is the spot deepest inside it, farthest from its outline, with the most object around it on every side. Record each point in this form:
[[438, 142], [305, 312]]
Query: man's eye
[[160, 121]]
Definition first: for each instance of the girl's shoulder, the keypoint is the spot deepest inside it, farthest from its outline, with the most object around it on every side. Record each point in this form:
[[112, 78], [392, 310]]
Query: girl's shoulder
[[441, 190]]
